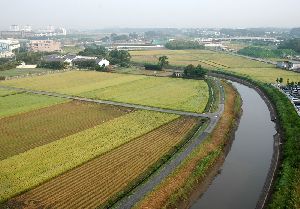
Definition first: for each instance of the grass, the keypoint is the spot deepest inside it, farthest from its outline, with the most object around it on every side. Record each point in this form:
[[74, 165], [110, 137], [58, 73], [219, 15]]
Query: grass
[[20, 72], [218, 60], [20, 103], [5, 92], [38, 127], [179, 94], [93, 183], [29, 169]]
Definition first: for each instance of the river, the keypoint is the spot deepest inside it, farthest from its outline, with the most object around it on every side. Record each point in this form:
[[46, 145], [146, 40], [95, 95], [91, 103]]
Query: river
[[243, 173]]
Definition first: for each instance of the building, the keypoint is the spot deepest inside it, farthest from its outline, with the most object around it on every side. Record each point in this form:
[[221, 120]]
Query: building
[[294, 65], [45, 46], [103, 62], [16, 34], [14, 28], [282, 64], [73, 58], [7, 47]]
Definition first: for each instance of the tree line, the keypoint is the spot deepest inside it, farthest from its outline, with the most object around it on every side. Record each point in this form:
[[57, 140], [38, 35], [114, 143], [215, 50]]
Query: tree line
[[183, 44]]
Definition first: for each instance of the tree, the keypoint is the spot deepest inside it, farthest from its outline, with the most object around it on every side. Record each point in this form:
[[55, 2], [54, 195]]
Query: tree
[[119, 57], [57, 65], [183, 44], [292, 44], [277, 80], [163, 61], [280, 80], [94, 50], [87, 64], [192, 71]]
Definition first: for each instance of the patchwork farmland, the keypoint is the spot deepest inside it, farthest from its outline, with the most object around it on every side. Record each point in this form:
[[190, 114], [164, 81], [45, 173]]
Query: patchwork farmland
[[59, 153], [216, 60], [92, 184], [169, 93]]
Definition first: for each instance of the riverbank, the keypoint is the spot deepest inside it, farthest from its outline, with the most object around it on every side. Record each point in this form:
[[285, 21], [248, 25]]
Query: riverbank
[[281, 188], [196, 166]]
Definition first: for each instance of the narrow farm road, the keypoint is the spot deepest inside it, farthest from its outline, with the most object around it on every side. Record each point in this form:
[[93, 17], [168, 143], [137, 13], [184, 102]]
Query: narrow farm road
[[140, 191], [141, 107]]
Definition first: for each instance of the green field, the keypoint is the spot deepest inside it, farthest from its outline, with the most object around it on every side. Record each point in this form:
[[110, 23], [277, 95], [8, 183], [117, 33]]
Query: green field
[[5, 92], [218, 60], [25, 71], [171, 93], [29, 169], [19, 103]]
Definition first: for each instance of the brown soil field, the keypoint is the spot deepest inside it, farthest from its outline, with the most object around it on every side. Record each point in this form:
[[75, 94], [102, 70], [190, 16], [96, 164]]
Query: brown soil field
[[25, 131], [97, 181]]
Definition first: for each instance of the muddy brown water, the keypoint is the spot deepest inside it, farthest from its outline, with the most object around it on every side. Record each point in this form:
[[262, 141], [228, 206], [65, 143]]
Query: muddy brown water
[[242, 176]]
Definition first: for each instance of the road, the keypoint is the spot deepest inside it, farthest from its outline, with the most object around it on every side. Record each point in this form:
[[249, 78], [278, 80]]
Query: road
[[154, 180], [141, 107]]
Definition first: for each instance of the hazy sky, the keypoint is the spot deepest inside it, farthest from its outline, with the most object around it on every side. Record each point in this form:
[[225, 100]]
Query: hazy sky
[[91, 14]]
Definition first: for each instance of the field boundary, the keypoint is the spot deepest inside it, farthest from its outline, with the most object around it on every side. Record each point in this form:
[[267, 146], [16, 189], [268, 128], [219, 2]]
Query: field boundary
[[142, 107]]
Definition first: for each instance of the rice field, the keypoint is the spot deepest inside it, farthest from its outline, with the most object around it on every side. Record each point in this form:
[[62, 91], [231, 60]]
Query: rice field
[[73, 82], [268, 75], [23, 102], [178, 94], [218, 60], [32, 129], [27, 170], [208, 59], [95, 182], [170, 93]]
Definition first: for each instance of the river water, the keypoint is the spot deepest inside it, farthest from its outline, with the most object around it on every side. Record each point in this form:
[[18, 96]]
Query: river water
[[242, 176]]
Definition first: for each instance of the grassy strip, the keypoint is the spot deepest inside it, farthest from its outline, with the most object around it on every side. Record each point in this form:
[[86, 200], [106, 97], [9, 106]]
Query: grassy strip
[[180, 183], [287, 186], [24, 102], [5, 92], [153, 168], [214, 96], [25, 171]]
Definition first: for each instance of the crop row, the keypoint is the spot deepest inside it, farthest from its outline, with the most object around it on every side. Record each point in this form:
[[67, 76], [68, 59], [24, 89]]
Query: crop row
[[95, 182], [29, 169], [25, 131]]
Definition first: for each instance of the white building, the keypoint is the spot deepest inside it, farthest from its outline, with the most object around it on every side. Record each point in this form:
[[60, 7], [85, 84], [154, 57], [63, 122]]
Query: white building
[[7, 47], [14, 28], [104, 62]]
